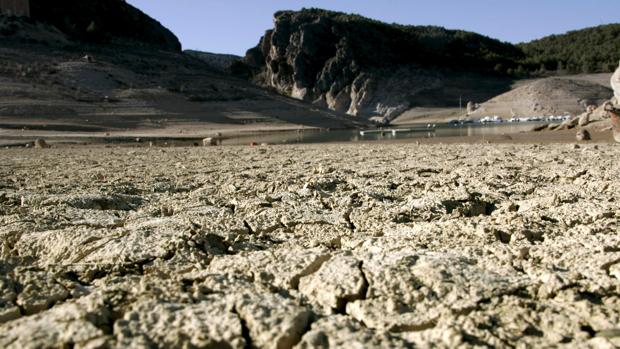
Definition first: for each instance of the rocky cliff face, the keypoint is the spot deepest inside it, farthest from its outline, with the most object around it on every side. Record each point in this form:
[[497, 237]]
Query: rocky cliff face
[[367, 68], [104, 21]]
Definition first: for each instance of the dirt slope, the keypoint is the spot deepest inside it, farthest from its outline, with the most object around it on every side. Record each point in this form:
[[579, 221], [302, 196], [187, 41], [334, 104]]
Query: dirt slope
[[121, 88], [551, 96]]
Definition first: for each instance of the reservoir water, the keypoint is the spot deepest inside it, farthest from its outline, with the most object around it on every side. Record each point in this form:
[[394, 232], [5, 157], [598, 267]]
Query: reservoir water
[[330, 136]]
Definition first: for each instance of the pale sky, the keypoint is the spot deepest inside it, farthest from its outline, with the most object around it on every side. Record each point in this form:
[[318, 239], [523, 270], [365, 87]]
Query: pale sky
[[233, 26]]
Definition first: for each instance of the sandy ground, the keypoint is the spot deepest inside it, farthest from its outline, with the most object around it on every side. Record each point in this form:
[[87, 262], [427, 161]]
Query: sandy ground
[[371, 245]]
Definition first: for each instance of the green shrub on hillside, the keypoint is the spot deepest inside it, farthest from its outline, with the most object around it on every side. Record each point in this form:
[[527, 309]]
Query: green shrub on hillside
[[591, 50]]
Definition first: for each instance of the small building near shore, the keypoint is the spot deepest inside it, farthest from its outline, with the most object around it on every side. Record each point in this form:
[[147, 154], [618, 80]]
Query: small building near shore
[[19, 8]]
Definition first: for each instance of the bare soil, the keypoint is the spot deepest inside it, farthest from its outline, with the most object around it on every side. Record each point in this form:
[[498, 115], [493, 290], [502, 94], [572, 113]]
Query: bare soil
[[404, 245]]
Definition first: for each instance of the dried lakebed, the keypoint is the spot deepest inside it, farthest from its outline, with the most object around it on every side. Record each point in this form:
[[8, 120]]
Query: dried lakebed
[[310, 246]]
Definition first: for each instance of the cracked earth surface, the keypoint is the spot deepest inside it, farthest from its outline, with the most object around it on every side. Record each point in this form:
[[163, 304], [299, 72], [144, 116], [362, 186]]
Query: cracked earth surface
[[317, 246]]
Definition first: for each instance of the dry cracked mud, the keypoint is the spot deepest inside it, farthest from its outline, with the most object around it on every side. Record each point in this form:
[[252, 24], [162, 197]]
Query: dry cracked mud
[[326, 246]]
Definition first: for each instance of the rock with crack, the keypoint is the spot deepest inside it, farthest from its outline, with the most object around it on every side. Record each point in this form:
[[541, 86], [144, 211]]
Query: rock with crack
[[272, 320], [339, 331], [78, 324], [86, 250], [207, 324], [339, 281], [39, 291], [595, 277], [282, 268], [411, 291], [265, 220], [8, 297], [314, 235]]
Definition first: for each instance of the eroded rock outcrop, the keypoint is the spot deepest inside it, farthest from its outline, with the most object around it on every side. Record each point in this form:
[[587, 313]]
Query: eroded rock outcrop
[[366, 68]]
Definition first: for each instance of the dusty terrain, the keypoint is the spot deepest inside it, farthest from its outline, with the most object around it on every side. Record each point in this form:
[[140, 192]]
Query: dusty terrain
[[310, 246], [550, 96], [553, 96], [135, 91]]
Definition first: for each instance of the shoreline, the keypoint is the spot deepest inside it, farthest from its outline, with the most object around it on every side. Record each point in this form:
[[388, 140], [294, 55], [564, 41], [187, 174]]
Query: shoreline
[[245, 138]]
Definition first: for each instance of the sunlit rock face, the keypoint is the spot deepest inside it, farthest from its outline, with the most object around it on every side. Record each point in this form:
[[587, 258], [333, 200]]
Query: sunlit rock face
[[362, 67]]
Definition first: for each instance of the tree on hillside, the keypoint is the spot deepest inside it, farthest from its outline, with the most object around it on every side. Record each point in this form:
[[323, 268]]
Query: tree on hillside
[[591, 50]]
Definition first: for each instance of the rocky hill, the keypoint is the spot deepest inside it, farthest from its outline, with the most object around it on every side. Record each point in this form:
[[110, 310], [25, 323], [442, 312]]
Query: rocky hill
[[133, 80], [103, 21], [367, 68]]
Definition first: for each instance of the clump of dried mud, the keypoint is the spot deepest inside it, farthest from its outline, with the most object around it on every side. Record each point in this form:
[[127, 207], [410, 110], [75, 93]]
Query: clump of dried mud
[[310, 247]]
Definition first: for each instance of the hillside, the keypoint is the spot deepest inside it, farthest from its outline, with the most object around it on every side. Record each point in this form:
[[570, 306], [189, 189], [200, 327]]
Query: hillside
[[330, 63], [590, 50], [544, 97], [52, 80], [103, 21], [367, 68]]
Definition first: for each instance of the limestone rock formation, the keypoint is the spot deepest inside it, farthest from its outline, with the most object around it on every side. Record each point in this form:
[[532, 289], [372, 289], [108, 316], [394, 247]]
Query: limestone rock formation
[[366, 68]]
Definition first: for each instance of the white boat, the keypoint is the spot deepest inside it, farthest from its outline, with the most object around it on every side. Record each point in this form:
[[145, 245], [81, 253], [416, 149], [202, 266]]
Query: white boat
[[491, 120]]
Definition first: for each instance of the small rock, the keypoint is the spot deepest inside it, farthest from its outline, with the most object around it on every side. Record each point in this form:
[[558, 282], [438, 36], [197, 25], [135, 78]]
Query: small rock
[[338, 282], [166, 211], [524, 253], [40, 144], [209, 142], [583, 135]]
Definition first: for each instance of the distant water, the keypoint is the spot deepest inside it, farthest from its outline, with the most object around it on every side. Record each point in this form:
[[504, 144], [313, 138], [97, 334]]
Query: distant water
[[330, 136]]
